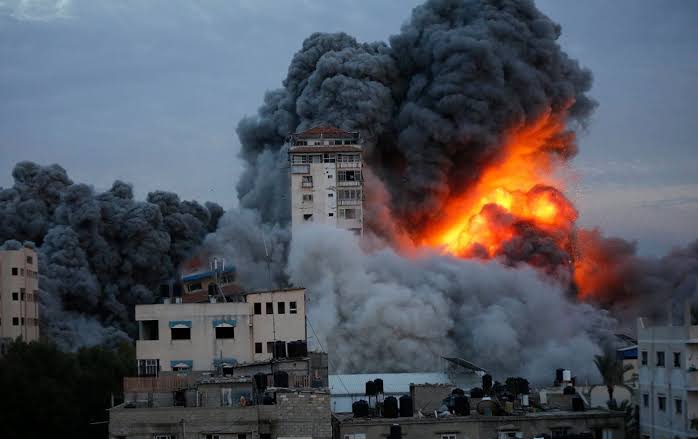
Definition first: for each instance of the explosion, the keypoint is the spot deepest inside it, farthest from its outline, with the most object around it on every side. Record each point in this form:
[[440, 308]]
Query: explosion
[[520, 187]]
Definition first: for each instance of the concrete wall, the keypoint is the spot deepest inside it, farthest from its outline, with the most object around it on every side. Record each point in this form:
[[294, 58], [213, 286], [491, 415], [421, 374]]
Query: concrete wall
[[472, 427], [20, 317], [296, 414], [269, 327]]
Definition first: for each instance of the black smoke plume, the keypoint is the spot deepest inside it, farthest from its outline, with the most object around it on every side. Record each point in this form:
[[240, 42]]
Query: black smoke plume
[[99, 253]]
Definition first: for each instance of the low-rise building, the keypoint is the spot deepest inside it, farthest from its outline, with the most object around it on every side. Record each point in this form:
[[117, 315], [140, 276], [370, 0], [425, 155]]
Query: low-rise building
[[19, 295], [668, 378], [215, 335]]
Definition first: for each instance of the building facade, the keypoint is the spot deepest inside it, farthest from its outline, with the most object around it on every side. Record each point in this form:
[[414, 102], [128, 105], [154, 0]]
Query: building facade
[[19, 295], [668, 379], [185, 337], [326, 178]]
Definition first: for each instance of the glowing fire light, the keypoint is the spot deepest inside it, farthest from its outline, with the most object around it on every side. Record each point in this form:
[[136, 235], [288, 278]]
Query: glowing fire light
[[518, 186]]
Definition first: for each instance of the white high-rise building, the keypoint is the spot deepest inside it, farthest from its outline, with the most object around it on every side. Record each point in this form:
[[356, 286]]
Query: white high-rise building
[[326, 180]]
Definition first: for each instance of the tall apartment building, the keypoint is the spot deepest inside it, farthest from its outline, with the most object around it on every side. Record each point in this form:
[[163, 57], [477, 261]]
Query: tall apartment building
[[19, 289], [215, 335], [668, 379], [326, 179]]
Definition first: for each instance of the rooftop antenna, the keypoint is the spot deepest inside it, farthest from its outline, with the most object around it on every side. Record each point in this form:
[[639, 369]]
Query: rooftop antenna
[[218, 267], [271, 289]]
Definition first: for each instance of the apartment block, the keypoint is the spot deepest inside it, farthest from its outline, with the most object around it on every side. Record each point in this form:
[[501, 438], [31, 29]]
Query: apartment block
[[19, 295]]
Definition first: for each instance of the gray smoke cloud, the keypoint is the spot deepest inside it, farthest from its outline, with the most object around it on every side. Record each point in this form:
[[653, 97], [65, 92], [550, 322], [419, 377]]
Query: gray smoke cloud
[[99, 253], [382, 311]]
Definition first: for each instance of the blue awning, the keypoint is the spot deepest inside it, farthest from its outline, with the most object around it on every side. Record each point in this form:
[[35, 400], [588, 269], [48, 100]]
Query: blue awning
[[224, 323], [225, 361], [182, 363], [180, 323], [205, 274]]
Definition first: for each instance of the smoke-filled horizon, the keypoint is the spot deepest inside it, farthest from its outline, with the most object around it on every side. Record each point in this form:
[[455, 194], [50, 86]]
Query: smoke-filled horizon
[[436, 105]]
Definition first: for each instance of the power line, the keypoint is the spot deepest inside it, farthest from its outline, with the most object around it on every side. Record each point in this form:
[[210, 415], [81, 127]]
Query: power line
[[339, 377]]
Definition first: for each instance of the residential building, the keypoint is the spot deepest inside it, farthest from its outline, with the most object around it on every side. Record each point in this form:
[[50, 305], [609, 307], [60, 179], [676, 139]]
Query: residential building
[[217, 335], [326, 178], [424, 413], [19, 295], [219, 408], [668, 378]]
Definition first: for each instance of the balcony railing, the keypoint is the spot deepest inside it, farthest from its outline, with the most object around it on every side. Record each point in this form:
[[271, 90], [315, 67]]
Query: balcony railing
[[348, 202], [348, 183], [348, 165], [164, 383], [307, 184]]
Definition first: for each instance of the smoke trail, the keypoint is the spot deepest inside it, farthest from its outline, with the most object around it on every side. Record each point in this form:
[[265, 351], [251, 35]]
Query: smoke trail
[[99, 253]]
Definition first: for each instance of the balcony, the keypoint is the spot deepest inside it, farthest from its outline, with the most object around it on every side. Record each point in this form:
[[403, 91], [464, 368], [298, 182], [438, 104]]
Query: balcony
[[348, 165], [307, 184], [348, 202], [300, 169]]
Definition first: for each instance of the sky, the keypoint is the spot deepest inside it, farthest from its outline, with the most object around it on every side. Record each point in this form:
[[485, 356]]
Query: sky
[[150, 92]]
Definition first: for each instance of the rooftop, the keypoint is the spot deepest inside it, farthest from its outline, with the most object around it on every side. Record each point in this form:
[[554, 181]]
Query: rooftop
[[355, 384], [325, 132]]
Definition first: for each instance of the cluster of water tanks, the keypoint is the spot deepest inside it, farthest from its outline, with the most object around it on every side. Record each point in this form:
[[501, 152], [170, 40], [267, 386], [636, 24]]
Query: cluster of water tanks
[[280, 380]]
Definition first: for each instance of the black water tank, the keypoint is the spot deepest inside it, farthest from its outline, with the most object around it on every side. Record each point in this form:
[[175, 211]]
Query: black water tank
[[279, 349], [569, 390], [395, 431], [371, 388], [390, 407], [558, 375], [379, 385], [461, 405], [267, 400], [302, 348], [476, 392], [360, 409], [292, 349], [260, 381], [458, 391], [577, 404], [406, 407], [280, 379], [517, 386], [487, 383], [212, 289]]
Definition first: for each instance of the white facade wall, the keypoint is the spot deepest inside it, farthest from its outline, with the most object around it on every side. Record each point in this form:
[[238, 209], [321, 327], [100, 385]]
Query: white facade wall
[[19, 294], [203, 350], [676, 383]]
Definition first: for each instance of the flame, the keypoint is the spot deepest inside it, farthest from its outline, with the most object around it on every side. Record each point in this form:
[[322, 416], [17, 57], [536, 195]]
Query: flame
[[518, 186]]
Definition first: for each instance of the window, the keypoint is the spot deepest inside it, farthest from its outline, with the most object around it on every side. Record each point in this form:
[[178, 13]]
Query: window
[[15, 321], [163, 436], [677, 359], [225, 332], [15, 296], [14, 271], [678, 406], [23, 296], [214, 436], [292, 308], [661, 402], [644, 358], [646, 400], [148, 368], [329, 175], [307, 181], [22, 321], [330, 214], [308, 198], [448, 436], [559, 432], [258, 348], [307, 217], [270, 347], [328, 158], [180, 333], [30, 260], [270, 307], [258, 308], [196, 286], [510, 435], [347, 213], [660, 359], [330, 195], [149, 330]]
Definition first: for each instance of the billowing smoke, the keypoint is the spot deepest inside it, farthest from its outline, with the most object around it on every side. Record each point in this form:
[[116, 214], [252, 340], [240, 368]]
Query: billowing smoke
[[434, 107], [99, 253]]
